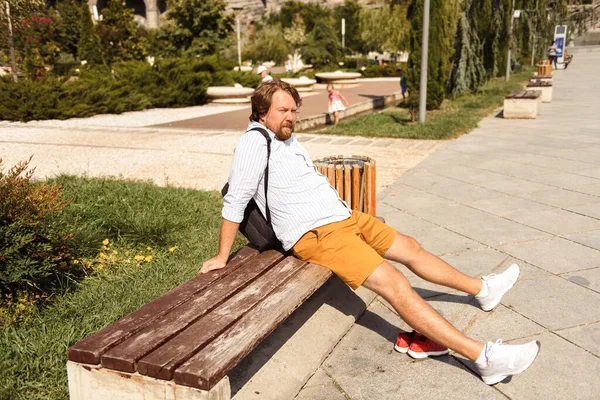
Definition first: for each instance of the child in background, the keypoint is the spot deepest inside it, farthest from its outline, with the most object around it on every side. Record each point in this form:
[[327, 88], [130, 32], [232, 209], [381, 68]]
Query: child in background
[[336, 103]]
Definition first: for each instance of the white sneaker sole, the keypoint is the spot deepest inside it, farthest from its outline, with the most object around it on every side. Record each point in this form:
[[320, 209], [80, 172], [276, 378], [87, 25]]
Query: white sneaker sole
[[490, 306], [420, 355], [493, 379], [402, 350]]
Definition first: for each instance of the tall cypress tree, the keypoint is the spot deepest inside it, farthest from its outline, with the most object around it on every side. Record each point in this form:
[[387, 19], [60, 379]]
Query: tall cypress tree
[[439, 53], [89, 47]]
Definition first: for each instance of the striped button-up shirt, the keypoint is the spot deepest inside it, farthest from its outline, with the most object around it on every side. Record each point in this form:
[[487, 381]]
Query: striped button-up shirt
[[300, 198]]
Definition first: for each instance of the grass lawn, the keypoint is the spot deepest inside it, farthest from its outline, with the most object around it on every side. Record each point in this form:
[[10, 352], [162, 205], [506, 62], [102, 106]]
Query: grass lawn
[[455, 118], [157, 238]]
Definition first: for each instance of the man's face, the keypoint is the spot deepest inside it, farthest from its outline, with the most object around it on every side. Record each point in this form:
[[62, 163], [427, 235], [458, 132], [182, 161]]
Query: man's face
[[281, 116]]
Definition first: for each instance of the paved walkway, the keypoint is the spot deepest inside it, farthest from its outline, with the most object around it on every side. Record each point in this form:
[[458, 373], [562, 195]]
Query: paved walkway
[[525, 191]]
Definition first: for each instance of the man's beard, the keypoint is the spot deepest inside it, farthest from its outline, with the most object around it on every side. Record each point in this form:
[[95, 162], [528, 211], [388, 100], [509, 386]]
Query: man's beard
[[285, 135]]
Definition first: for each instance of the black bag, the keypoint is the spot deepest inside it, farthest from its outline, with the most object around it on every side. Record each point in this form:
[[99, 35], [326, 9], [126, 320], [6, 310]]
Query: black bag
[[254, 226]]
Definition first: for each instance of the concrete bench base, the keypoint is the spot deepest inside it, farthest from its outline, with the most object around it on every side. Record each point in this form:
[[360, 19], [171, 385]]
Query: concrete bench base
[[546, 92], [92, 382], [522, 108]]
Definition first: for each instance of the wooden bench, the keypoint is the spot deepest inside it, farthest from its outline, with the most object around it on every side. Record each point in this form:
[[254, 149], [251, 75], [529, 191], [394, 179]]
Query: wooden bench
[[543, 85], [523, 104], [182, 344]]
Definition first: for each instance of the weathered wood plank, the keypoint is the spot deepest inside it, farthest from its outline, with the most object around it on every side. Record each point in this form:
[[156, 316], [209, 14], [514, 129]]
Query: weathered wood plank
[[339, 180], [163, 361], [124, 356], [90, 349], [209, 365], [348, 185]]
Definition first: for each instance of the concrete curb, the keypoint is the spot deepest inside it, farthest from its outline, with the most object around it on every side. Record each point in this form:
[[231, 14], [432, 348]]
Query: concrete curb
[[373, 104], [282, 364]]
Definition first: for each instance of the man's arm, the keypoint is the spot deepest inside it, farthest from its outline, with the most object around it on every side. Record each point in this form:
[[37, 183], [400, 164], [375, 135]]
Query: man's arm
[[228, 231]]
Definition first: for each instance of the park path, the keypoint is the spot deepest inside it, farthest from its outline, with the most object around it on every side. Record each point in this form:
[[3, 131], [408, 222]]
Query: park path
[[525, 191], [188, 147]]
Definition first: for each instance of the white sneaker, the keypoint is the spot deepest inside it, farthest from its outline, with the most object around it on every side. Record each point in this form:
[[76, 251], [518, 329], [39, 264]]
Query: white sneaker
[[497, 286], [498, 361]]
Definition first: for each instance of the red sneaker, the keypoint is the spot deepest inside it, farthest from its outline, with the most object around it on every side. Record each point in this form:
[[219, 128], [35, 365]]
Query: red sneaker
[[403, 342], [422, 347]]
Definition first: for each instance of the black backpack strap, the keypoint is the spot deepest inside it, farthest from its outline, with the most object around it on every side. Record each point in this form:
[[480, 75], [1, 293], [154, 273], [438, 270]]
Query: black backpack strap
[[268, 138]]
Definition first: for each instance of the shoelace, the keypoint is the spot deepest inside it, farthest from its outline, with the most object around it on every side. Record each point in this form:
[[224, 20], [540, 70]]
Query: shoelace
[[489, 351]]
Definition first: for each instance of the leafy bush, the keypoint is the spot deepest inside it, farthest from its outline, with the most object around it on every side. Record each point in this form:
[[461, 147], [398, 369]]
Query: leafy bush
[[34, 251], [376, 70]]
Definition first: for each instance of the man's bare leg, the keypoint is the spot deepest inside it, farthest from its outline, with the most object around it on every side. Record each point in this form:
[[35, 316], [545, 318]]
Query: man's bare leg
[[409, 252], [393, 286]]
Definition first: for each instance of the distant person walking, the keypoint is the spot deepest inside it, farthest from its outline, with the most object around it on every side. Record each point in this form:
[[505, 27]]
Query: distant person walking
[[264, 74], [336, 103], [403, 85], [552, 50]]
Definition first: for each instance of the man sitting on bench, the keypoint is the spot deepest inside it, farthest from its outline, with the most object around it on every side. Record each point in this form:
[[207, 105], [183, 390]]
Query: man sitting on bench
[[310, 219]]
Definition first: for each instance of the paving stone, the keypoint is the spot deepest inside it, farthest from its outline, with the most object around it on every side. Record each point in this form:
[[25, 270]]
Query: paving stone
[[592, 172], [505, 205], [468, 174], [321, 386], [321, 140], [560, 371], [451, 214], [564, 180], [590, 239], [425, 180], [556, 221], [302, 138], [366, 366], [515, 186], [551, 302], [589, 278], [556, 255], [590, 210], [407, 198], [501, 323], [403, 222], [440, 241], [593, 189], [498, 231], [585, 336], [562, 198]]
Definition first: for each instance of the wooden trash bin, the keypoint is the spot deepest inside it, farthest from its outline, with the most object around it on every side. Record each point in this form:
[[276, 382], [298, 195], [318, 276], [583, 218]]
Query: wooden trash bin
[[354, 178], [545, 68]]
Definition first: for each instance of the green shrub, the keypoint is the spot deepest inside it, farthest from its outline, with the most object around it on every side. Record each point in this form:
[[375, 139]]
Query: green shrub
[[34, 251], [386, 70]]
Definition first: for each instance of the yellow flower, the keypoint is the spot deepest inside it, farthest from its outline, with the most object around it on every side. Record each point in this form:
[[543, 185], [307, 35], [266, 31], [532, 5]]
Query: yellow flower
[[75, 262], [139, 257], [105, 242], [100, 266], [149, 248], [172, 249], [115, 252], [148, 258]]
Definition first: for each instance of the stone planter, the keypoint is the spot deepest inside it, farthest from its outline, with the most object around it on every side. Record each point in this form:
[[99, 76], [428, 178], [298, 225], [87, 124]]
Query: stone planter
[[269, 64], [244, 68], [339, 78], [229, 94], [302, 84]]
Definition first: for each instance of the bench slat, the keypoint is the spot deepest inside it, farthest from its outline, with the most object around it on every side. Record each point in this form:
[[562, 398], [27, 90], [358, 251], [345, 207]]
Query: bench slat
[[124, 356], [90, 349], [163, 361], [209, 365]]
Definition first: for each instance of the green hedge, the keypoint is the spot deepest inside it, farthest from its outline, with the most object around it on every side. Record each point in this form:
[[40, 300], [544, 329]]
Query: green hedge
[[127, 86]]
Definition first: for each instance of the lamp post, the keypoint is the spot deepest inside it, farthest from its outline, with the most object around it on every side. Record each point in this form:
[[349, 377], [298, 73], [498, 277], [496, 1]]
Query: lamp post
[[343, 32], [424, 50], [13, 63], [512, 21], [239, 41]]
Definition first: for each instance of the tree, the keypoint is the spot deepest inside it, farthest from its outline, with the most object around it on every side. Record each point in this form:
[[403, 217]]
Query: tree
[[89, 47], [439, 54], [322, 45], [467, 68], [20, 11], [384, 29], [198, 27], [269, 45], [68, 21], [350, 12], [120, 35]]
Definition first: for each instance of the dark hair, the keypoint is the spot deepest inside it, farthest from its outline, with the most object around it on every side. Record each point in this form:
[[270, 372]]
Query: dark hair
[[261, 99]]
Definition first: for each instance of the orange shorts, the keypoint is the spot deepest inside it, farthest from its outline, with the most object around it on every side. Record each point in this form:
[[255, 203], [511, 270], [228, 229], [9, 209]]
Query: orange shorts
[[351, 248]]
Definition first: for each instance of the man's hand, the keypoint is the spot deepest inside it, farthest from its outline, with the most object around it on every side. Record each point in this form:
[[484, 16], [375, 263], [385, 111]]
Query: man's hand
[[217, 262]]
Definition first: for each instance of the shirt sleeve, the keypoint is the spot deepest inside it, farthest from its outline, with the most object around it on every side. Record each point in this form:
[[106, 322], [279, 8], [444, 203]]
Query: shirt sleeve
[[247, 170]]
